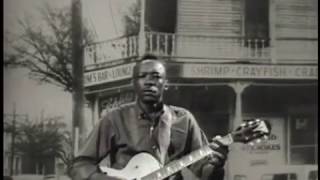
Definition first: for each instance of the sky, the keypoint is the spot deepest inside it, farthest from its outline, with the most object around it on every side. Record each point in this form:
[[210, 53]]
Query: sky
[[29, 97]]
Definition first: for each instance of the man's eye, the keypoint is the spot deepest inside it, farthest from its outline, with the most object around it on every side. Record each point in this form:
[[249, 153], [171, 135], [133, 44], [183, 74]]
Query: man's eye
[[153, 76], [156, 76], [141, 75]]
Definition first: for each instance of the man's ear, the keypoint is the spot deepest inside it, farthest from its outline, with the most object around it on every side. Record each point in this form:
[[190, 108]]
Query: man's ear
[[166, 84]]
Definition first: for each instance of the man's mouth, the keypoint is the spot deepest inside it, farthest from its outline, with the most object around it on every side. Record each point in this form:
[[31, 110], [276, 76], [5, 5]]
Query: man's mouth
[[150, 89], [149, 92]]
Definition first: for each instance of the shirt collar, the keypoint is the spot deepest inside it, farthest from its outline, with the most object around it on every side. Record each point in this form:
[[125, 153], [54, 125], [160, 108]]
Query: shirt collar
[[163, 109]]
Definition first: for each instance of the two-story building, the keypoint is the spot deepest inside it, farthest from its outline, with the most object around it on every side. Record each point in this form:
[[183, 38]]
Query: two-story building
[[228, 60]]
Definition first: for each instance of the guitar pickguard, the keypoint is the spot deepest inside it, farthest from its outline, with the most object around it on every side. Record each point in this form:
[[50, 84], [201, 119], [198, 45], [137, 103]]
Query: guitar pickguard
[[139, 166]]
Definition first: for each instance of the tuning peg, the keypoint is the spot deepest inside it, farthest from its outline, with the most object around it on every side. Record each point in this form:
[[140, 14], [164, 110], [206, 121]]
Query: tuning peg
[[257, 120], [265, 137], [250, 122], [251, 143]]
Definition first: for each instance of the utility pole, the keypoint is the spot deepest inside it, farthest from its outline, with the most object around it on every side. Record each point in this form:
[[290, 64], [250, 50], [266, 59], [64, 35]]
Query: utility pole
[[142, 36], [78, 129]]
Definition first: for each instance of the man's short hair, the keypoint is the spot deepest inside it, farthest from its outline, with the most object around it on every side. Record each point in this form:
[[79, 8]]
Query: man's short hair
[[142, 59], [148, 56]]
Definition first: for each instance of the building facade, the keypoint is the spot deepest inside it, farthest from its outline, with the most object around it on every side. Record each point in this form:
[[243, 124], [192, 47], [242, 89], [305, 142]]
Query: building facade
[[227, 61]]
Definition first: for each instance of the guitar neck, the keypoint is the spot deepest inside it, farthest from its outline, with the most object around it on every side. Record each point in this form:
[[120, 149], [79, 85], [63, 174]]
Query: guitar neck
[[185, 161]]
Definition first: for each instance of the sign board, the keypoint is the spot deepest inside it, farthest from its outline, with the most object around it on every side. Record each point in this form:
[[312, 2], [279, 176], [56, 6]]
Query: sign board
[[108, 75], [240, 71], [271, 151], [215, 71], [266, 153]]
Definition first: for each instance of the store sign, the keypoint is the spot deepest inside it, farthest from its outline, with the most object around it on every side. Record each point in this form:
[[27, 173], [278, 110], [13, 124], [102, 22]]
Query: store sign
[[249, 71], [271, 151], [266, 153], [108, 75]]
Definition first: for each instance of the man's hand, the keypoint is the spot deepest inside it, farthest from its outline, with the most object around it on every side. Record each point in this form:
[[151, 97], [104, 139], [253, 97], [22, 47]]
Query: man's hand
[[220, 153]]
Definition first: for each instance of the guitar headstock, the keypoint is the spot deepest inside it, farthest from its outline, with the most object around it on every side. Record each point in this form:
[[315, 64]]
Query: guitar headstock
[[250, 130]]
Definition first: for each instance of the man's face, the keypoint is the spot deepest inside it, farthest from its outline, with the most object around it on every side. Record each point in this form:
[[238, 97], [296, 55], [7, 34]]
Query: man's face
[[149, 81]]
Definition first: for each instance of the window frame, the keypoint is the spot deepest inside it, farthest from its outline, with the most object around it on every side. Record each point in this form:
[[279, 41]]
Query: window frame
[[292, 113], [244, 28]]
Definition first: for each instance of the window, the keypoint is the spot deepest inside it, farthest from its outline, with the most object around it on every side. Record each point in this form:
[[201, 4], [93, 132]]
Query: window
[[313, 175], [303, 139], [161, 15], [257, 23]]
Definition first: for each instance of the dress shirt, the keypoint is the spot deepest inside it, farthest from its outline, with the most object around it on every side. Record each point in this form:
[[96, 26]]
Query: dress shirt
[[127, 131]]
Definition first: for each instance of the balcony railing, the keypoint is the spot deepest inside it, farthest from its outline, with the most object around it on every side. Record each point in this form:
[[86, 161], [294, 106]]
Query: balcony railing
[[110, 50], [179, 46]]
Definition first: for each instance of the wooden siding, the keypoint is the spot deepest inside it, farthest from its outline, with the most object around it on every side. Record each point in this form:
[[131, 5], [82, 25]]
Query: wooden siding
[[209, 17], [297, 51], [297, 18], [296, 28]]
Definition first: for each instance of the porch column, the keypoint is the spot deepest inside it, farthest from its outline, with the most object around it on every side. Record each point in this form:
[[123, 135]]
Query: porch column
[[234, 162], [238, 88], [142, 36]]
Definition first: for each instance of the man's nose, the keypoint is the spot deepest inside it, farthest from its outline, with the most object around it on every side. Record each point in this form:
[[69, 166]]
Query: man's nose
[[149, 80]]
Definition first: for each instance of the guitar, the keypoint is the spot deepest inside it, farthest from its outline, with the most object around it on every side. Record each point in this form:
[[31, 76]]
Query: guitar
[[144, 166]]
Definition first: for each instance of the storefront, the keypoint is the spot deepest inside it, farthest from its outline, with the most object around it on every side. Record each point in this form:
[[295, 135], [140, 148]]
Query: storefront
[[221, 96], [291, 109]]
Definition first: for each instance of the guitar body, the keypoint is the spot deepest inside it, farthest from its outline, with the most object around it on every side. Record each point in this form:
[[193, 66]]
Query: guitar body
[[139, 166], [145, 166]]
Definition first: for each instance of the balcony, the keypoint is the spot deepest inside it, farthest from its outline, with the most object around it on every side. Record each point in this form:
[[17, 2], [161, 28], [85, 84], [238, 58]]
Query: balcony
[[108, 51], [178, 47]]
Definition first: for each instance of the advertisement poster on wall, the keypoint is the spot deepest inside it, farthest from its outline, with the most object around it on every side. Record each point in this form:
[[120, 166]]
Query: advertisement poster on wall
[[270, 151], [265, 153]]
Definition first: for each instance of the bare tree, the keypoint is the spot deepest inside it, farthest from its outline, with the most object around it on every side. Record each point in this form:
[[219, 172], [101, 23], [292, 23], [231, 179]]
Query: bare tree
[[132, 19], [45, 49]]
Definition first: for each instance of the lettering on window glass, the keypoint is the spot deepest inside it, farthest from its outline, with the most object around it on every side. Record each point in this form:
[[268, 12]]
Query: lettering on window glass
[[301, 123]]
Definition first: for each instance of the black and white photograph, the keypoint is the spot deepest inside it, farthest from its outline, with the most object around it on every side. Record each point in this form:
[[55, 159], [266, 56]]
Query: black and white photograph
[[160, 90]]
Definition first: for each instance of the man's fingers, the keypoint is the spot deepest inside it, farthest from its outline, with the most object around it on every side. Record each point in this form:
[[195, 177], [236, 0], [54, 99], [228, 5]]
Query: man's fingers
[[217, 142], [219, 147], [220, 152], [218, 155], [217, 159]]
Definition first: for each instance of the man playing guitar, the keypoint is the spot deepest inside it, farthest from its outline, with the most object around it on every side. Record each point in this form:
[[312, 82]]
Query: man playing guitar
[[165, 132]]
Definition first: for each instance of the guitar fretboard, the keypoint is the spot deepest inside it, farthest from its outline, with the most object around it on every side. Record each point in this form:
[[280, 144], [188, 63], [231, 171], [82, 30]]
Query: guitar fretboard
[[178, 165]]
